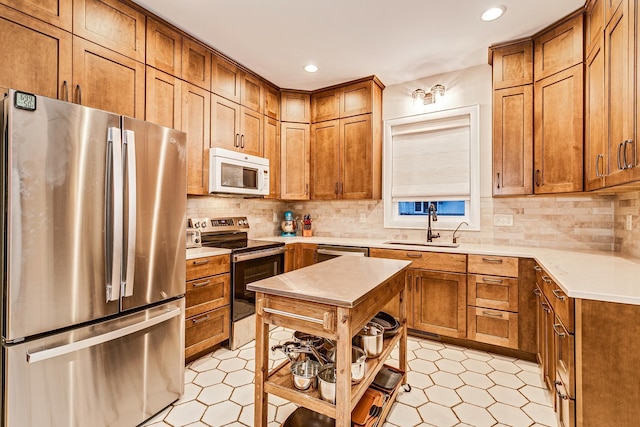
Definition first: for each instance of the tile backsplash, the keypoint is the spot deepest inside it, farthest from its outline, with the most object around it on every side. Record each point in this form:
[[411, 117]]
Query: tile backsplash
[[581, 222]]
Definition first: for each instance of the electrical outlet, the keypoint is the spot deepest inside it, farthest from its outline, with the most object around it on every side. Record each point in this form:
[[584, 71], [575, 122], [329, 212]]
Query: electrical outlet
[[503, 220], [363, 217], [275, 217], [629, 223]]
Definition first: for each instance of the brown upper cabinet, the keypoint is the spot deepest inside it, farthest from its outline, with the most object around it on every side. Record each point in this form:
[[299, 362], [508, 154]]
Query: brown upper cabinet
[[512, 65], [107, 80], [294, 107], [235, 127], [271, 151], [271, 102], [111, 24], [54, 12], [164, 48], [164, 99], [294, 161], [346, 101], [558, 48], [196, 122], [234, 84], [610, 7], [196, 63], [44, 68], [593, 24], [595, 138]]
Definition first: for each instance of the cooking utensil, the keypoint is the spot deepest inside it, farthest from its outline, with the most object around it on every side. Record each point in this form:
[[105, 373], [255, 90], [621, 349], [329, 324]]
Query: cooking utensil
[[388, 322], [327, 383], [370, 339], [303, 417], [304, 374], [358, 362]]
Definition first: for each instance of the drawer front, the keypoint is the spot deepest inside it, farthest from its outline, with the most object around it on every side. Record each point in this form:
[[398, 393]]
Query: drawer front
[[207, 266], [493, 265], [455, 263], [500, 293], [206, 330], [492, 326], [564, 307], [564, 344], [207, 294], [565, 407]]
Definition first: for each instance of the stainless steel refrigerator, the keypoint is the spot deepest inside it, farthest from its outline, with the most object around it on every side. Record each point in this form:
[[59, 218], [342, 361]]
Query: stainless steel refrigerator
[[93, 209]]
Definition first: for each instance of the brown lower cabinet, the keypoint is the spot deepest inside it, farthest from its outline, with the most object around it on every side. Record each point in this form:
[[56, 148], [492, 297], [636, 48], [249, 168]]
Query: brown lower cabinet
[[207, 304]]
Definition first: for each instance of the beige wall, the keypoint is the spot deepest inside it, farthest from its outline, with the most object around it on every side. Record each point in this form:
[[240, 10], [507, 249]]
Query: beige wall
[[581, 222]]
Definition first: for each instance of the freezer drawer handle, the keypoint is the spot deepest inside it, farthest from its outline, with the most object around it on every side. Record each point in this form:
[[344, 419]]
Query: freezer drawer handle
[[38, 356]]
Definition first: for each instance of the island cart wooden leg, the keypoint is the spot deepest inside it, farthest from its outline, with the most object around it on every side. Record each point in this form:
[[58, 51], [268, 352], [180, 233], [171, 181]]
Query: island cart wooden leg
[[343, 369], [402, 362], [262, 366]]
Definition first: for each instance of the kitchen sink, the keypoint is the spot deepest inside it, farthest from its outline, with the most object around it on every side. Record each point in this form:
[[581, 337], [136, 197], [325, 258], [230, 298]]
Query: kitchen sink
[[426, 244]]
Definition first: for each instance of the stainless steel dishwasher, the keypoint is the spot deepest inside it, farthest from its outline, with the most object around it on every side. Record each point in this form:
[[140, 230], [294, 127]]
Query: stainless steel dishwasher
[[326, 252]]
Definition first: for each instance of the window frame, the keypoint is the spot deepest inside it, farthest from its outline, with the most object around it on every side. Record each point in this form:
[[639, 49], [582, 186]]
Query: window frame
[[392, 219]]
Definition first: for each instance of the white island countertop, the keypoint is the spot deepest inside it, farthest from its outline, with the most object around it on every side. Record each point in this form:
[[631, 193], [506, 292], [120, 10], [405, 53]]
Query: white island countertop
[[599, 276], [343, 281]]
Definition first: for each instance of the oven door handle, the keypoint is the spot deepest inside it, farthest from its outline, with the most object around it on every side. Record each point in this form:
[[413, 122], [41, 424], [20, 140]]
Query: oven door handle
[[246, 256]]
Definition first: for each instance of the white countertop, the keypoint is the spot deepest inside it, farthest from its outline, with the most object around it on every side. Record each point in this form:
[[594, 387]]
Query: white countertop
[[341, 281], [194, 253], [600, 276]]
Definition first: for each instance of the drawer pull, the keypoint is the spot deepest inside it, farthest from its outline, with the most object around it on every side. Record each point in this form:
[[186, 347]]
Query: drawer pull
[[202, 262], [414, 255], [559, 393], [537, 292], [558, 294], [492, 260], [545, 307], [557, 331], [537, 268], [490, 280], [492, 314], [201, 319], [293, 315], [546, 279], [200, 284]]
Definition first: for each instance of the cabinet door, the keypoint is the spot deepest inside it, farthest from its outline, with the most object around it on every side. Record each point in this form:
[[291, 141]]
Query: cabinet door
[[111, 24], [356, 169], [558, 132], [106, 80], [271, 151], [294, 161], [295, 107], [54, 12], [440, 303], [251, 132], [513, 141], [513, 65], [356, 99], [225, 79], [619, 107], [306, 254], [410, 282], [325, 160], [164, 99], [493, 327], [164, 48], [251, 92], [549, 356], [539, 326], [196, 122], [593, 24], [325, 106], [196, 63], [595, 139], [289, 257], [610, 7], [558, 48], [44, 68], [225, 123], [207, 294], [204, 331], [271, 102]]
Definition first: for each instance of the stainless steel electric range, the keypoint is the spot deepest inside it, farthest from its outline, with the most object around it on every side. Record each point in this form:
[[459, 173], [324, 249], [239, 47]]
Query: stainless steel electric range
[[251, 260]]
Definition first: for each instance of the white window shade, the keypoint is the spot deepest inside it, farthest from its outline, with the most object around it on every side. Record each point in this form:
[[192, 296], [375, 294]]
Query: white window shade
[[431, 160]]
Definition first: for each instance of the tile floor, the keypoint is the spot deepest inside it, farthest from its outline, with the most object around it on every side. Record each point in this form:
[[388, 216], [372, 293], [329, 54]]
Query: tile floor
[[451, 386]]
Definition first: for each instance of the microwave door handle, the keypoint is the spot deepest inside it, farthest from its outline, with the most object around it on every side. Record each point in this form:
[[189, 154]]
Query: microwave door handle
[[113, 216], [130, 144]]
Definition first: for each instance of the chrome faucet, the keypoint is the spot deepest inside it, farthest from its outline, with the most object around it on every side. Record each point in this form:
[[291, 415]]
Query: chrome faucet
[[432, 213], [454, 233]]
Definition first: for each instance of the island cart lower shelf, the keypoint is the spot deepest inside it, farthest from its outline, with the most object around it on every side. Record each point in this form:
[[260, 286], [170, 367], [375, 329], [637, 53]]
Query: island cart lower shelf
[[333, 299]]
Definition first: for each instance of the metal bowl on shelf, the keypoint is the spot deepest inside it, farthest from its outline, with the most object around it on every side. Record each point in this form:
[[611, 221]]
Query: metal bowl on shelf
[[371, 339], [304, 374]]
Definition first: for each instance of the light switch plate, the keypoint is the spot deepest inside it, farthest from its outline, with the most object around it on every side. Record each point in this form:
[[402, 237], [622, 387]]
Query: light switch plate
[[503, 220]]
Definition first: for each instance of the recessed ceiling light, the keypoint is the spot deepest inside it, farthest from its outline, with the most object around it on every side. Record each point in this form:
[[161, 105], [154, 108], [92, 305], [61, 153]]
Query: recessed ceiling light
[[310, 68], [492, 14]]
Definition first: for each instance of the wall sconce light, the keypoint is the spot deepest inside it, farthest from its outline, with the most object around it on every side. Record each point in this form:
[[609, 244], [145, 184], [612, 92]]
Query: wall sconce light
[[437, 92]]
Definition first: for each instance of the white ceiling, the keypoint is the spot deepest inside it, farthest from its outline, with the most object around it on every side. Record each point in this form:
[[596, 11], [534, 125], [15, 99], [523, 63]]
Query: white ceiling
[[398, 41]]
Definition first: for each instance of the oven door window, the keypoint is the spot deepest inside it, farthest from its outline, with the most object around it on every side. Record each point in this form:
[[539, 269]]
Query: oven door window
[[239, 176], [245, 272]]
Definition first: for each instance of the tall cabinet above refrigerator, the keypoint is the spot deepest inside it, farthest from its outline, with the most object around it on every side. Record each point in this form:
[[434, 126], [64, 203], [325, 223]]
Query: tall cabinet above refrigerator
[[93, 265]]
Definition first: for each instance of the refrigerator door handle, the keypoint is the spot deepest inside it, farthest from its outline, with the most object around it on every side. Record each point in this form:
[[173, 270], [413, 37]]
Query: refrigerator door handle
[[50, 353], [113, 215], [130, 151]]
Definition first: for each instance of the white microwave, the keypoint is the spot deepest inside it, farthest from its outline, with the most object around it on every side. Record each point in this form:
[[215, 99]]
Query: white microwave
[[231, 172]]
